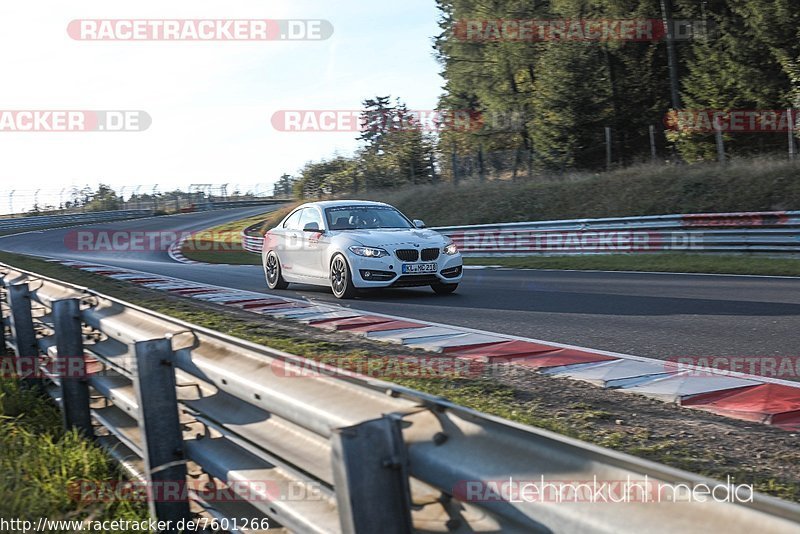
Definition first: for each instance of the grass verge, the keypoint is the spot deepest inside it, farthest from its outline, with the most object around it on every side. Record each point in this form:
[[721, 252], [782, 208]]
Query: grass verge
[[672, 263], [39, 463], [666, 262], [643, 427], [223, 243], [742, 185]]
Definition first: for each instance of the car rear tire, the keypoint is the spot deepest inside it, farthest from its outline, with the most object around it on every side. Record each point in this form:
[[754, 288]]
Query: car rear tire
[[272, 272], [341, 279], [444, 289]]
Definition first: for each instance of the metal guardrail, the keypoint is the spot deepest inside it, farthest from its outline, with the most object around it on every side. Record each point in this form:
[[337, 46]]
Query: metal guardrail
[[252, 243], [318, 451], [228, 204], [733, 233], [43, 221]]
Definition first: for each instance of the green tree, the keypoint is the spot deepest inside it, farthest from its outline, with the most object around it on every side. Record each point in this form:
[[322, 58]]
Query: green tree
[[491, 80], [325, 178], [518, 82], [284, 186], [104, 199], [569, 113], [735, 69], [396, 149]]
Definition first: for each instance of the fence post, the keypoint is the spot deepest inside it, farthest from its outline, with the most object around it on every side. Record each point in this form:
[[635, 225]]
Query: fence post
[[23, 333], [481, 165], [720, 144], [159, 422], [4, 339], [653, 155], [517, 158], [608, 148], [530, 161], [370, 470], [454, 164], [672, 58], [71, 366], [792, 151]]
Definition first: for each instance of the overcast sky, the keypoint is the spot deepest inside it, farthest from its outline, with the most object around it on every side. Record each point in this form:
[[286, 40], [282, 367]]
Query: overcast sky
[[210, 102]]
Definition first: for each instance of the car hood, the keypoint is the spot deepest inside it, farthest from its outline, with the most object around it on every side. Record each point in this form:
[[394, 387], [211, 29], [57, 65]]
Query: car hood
[[387, 237]]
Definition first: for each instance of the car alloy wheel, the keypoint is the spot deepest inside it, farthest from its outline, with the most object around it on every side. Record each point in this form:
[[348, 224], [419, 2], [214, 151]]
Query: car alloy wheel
[[341, 281], [273, 272]]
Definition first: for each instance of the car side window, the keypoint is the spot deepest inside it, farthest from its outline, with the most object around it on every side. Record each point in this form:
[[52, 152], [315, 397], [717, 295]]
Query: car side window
[[310, 215], [293, 222]]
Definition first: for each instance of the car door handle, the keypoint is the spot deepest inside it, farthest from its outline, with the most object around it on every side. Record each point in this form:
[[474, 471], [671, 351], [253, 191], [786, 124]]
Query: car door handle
[[293, 240]]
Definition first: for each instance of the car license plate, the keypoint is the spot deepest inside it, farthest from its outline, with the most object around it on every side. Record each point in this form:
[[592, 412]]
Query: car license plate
[[417, 268]]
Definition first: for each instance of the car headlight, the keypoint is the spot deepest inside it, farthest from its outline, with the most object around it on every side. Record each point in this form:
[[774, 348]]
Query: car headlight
[[369, 252], [451, 249]]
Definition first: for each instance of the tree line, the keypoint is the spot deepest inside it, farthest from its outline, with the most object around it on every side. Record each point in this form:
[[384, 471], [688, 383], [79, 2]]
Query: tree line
[[553, 99]]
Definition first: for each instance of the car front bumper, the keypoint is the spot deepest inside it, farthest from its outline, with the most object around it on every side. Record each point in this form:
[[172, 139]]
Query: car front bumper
[[387, 271]]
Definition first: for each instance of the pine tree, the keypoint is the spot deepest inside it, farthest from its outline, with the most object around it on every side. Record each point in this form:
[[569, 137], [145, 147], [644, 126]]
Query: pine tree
[[732, 69], [571, 105]]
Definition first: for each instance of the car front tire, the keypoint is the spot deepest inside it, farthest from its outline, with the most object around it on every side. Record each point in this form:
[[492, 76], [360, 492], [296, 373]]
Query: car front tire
[[341, 279], [444, 289], [272, 272]]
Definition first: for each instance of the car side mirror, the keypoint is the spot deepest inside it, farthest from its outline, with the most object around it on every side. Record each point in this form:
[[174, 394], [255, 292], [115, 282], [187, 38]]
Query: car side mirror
[[311, 227], [419, 224]]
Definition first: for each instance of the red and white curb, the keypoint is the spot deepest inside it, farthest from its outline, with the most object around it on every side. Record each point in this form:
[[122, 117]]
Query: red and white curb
[[174, 252], [753, 398]]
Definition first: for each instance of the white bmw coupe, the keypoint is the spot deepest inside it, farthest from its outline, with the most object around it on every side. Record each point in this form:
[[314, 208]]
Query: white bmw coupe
[[351, 245]]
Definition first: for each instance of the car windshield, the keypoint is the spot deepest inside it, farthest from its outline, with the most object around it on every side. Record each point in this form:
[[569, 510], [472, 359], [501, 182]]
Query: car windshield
[[365, 217]]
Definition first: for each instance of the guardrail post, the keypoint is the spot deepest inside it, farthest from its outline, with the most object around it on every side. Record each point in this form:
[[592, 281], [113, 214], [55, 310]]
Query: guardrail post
[[71, 366], [370, 469], [23, 333], [720, 144], [3, 339], [160, 426]]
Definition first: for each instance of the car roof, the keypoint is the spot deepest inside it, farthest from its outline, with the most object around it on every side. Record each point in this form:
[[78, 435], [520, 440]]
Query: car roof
[[340, 203]]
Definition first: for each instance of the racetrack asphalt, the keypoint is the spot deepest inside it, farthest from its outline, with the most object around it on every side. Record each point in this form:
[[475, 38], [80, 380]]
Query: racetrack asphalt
[[645, 314]]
